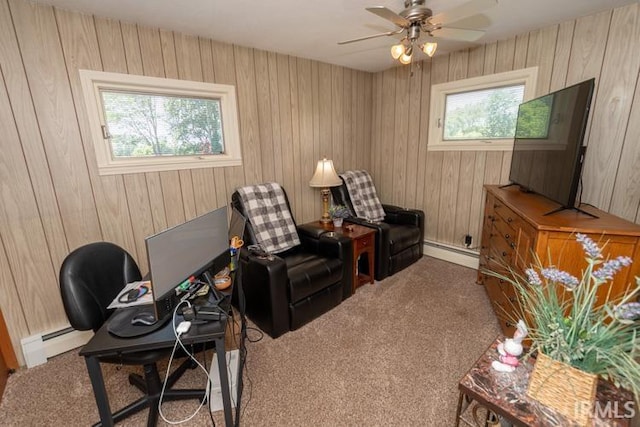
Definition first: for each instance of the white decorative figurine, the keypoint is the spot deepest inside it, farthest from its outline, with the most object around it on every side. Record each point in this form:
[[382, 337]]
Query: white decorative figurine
[[510, 350]]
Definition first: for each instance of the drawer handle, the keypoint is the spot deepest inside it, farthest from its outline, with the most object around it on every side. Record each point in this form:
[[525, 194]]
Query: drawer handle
[[512, 299], [501, 280], [504, 253], [507, 236], [509, 219], [513, 245]]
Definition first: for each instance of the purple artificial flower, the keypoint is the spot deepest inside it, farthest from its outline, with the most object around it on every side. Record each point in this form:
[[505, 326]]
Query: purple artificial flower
[[559, 276], [590, 247], [611, 267], [628, 311], [532, 277]]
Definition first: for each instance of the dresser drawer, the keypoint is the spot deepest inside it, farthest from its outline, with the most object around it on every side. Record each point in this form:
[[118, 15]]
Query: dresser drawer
[[512, 219]]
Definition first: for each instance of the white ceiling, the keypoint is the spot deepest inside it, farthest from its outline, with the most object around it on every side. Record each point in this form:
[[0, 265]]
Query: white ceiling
[[312, 28]]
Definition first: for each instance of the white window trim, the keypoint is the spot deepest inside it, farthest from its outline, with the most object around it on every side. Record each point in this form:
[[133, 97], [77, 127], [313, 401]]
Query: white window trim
[[93, 81], [439, 92]]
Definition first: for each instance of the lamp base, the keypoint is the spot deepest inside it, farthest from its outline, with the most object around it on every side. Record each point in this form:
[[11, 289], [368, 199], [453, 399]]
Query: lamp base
[[325, 218]]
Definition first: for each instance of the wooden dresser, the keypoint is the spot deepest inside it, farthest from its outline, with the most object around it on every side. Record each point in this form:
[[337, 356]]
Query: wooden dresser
[[515, 228]]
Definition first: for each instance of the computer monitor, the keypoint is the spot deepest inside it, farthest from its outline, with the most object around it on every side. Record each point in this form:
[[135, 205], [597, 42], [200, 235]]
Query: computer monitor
[[186, 250]]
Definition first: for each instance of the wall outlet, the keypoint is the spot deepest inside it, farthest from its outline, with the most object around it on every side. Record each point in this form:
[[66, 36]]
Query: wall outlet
[[467, 240]]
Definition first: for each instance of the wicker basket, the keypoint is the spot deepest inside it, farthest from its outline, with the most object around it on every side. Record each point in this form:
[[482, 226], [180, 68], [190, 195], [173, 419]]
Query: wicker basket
[[564, 388]]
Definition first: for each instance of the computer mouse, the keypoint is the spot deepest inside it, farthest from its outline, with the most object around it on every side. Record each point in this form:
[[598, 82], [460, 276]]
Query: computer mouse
[[144, 318]]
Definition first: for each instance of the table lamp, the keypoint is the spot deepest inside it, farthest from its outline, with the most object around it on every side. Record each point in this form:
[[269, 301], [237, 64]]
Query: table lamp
[[325, 177]]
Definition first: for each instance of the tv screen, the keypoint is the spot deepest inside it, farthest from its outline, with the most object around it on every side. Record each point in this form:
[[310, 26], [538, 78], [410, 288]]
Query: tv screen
[[547, 149], [185, 250]]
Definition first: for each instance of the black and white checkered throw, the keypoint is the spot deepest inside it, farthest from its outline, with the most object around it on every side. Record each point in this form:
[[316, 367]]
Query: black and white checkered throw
[[363, 195], [267, 211]]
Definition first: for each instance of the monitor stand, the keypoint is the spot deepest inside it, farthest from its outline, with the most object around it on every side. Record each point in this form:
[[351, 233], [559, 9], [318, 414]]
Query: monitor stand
[[119, 324], [563, 208]]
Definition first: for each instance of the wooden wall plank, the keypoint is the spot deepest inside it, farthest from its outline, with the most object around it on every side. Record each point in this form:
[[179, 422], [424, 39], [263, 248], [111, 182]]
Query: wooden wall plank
[[295, 136], [521, 51], [626, 191], [263, 99], [248, 110], [37, 36], [308, 159], [561, 56], [384, 176], [463, 197], [425, 99], [23, 240], [396, 166], [412, 157], [349, 142], [505, 54], [11, 307], [80, 49], [19, 96], [587, 51], [286, 134], [337, 119], [612, 106]]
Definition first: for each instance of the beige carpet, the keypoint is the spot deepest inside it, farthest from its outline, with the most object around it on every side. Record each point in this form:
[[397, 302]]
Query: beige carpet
[[390, 355]]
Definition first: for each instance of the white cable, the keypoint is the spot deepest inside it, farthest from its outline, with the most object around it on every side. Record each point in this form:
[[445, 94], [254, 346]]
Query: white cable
[[178, 341]]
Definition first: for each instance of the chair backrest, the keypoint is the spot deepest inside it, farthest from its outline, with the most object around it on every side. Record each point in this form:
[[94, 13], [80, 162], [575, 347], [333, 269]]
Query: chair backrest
[[340, 196], [90, 278], [268, 212]]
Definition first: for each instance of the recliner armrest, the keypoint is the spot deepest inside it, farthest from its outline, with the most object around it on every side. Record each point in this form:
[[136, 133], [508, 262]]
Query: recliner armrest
[[402, 216], [264, 281]]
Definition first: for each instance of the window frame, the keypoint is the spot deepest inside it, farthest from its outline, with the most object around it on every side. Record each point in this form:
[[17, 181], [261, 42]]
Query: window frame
[[439, 92], [94, 81]]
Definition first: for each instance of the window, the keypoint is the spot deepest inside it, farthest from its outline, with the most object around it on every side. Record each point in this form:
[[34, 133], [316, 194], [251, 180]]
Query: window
[[143, 124], [479, 113]]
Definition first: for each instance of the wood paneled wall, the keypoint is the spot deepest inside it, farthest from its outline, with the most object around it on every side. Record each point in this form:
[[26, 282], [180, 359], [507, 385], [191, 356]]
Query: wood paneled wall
[[448, 185], [292, 112]]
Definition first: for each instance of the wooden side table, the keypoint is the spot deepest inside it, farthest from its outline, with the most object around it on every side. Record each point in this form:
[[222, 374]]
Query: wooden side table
[[363, 239], [504, 394]]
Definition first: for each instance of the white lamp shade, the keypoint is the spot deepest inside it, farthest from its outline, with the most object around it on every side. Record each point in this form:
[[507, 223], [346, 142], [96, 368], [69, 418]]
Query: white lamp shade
[[325, 175], [405, 59], [397, 50], [430, 48]]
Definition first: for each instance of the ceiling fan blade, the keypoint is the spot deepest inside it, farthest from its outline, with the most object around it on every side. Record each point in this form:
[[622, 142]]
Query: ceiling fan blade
[[388, 33], [461, 34], [457, 13], [390, 15]]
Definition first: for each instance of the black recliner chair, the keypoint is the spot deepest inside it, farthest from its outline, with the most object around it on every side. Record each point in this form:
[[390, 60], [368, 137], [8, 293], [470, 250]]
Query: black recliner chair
[[399, 238], [285, 291], [90, 278]]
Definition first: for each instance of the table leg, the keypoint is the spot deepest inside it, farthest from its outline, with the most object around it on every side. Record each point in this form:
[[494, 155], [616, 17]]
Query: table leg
[[371, 256], [224, 382], [99, 390], [460, 398]]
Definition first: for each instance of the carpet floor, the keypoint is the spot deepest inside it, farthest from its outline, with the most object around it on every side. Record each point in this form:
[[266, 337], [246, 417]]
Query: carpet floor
[[391, 355]]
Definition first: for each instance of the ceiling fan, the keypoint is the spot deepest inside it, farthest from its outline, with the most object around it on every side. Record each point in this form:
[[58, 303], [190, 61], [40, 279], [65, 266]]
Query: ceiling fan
[[417, 20]]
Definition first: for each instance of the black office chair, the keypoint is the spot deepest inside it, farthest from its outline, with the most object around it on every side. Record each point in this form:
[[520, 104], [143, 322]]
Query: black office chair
[[90, 278]]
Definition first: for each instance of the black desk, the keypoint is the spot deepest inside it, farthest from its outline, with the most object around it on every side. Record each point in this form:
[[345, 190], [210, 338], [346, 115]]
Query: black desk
[[105, 344]]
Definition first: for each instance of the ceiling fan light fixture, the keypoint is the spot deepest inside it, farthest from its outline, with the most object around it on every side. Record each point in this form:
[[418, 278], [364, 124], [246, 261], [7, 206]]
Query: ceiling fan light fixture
[[405, 58], [430, 48], [397, 50]]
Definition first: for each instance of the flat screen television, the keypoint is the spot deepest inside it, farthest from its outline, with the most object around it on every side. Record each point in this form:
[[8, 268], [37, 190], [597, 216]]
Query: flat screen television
[[189, 249], [548, 146]]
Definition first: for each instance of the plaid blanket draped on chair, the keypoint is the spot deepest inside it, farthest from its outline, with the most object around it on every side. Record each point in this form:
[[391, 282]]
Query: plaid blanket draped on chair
[[363, 195], [268, 213]]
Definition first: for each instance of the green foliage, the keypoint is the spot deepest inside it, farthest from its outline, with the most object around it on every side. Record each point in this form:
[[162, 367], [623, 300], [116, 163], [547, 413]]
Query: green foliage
[[339, 211], [156, 125], [492, 116], [534, 118], [568, 324]]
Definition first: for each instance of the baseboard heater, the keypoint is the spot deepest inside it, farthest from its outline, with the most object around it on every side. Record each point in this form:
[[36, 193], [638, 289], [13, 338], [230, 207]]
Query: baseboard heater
[[36, 349], [457, 255]]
